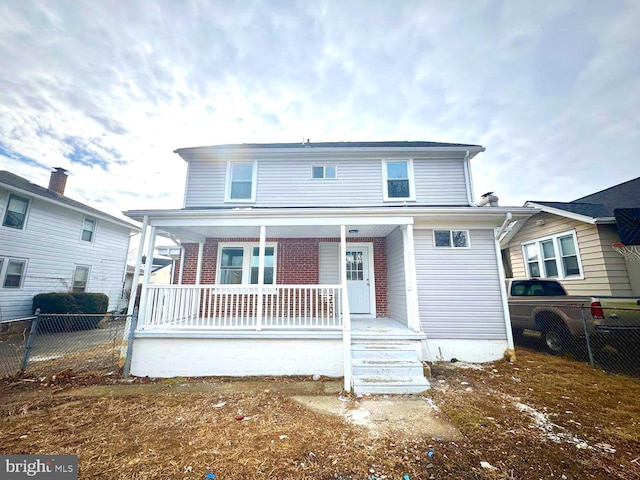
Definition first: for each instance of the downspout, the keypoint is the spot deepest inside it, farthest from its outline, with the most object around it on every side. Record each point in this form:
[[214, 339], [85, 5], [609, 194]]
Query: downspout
[[511, 352], [467, 178]]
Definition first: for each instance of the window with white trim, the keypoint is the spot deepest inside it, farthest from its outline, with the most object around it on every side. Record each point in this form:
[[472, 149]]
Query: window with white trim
[[241, 182], [555, 256], [238, 263], [14, 274], [398, 180], [451, 238], [80, 278], [326, 172], [15, 214], [88, 229]]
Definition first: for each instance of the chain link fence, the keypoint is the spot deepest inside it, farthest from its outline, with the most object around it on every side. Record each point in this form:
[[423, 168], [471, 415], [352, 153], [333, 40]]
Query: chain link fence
[[606, 337], [47, 344]]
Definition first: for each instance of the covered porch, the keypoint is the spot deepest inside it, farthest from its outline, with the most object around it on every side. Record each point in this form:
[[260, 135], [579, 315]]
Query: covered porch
[[250, 274]]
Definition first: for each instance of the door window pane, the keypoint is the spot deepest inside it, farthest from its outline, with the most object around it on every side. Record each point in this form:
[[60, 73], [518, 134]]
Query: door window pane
[[231, 265], [14, 274], [268, 265], [355, 266], [16, 212]]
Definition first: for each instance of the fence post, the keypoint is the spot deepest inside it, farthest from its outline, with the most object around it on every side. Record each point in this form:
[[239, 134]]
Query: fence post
[[132, 331], [27, 348], [586, 335]]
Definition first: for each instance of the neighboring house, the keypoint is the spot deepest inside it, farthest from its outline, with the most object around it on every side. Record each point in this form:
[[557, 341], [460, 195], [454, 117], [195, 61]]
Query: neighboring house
[[344, 259], [49, 242], [571, 241]]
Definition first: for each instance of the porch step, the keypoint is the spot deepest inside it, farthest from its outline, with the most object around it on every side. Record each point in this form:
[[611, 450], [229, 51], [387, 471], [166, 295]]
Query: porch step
[[392, 367]]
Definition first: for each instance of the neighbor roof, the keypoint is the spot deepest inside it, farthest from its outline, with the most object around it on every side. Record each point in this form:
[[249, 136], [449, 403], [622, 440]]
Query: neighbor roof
[[587, 209], [11, 180]]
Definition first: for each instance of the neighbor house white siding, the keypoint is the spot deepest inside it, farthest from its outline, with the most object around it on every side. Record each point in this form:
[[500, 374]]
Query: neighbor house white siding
[[288, 183], [459, 288], [52, 247], [396, 290]]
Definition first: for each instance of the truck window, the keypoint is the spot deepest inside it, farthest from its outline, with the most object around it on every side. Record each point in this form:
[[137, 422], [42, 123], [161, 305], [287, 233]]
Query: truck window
[[552, 288], [535, 288], [518, 289]]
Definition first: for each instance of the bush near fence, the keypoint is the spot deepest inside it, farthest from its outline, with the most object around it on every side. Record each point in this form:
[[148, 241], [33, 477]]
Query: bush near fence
[[89, 304], [608, 338]]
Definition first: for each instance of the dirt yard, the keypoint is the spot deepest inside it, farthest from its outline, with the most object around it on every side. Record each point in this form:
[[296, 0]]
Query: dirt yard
[[542, 417]]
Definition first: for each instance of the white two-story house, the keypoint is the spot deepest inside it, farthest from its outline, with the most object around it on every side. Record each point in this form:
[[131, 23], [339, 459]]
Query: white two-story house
[[353, 259], [51, 243]]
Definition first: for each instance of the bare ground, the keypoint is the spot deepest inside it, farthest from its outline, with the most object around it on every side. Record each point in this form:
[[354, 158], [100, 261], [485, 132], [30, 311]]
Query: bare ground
[[541, 417]]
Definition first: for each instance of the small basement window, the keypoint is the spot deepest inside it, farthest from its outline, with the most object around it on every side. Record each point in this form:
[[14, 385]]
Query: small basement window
[[451, 238]]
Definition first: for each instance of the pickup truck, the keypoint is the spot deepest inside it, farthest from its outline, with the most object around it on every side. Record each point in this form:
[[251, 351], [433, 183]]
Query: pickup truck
[[544, 306]]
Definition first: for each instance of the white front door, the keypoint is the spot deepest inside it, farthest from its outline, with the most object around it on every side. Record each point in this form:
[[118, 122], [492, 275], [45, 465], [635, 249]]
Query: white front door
[[358, 282]]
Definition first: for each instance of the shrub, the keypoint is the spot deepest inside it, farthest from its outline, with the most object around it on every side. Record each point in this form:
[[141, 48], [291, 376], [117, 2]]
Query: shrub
[[75, 304]]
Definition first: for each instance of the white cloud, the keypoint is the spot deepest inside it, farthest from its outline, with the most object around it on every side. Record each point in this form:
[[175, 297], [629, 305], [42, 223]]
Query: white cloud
[[551, 90]]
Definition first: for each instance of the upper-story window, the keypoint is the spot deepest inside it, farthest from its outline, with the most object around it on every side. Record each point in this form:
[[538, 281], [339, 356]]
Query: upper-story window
[[16, 213], [451, 238], [324, 172], [398, 181], [88, 229], [241, 182], [555, 256]]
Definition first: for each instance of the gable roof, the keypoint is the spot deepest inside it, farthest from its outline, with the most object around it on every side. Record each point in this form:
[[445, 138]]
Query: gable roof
[[592, 210], [12, 181]]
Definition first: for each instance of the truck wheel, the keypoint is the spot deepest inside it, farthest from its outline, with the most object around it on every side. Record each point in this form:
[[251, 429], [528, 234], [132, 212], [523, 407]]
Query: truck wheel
[[556, 338]]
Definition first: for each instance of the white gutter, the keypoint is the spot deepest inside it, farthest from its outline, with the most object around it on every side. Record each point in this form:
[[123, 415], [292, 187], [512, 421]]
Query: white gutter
[[467, 178]]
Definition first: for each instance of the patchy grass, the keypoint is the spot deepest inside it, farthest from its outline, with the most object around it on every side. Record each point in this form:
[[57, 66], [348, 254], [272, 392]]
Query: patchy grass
[[542, 417]]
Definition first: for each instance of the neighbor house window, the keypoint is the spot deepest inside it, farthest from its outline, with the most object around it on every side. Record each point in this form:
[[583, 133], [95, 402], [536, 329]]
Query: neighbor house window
[[15, 273], [398, 180], [451, 238], [555, 256], [241, 182], [324, 172], [16, 213], [88, 229], [238, 264], [80, 279]]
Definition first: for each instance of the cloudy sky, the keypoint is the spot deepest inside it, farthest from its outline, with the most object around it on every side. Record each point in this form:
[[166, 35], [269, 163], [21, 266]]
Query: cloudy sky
[[108, 89]]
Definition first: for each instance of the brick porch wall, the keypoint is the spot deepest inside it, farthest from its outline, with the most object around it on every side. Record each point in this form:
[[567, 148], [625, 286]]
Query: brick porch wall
[[297, 263]]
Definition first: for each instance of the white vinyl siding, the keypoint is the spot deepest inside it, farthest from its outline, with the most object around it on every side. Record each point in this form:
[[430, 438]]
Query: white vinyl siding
[[329, 268], [50, 244], [459, 289], [288, 183], [396, 290], [604, 270]]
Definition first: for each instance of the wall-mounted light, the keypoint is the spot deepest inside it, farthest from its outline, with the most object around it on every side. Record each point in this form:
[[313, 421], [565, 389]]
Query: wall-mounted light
[[539, 222], [354, 231]]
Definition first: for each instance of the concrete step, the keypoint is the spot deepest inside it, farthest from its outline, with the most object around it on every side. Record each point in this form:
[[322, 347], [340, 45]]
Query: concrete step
[[363, 385], [390, 350], [386, 367]]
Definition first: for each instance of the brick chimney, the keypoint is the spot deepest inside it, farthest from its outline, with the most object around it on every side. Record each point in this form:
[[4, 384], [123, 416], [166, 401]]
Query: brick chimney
[[58, 180]]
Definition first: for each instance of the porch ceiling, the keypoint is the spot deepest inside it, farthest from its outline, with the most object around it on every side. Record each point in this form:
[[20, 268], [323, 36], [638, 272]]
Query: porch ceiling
[[198, 233]]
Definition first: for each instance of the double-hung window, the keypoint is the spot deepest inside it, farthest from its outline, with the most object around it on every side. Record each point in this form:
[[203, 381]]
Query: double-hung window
[[239, 264], [555, 256], [14, 275], [241, 182], [88, 229], [15, 214], [80, 278], [398, 180], [451, 238]]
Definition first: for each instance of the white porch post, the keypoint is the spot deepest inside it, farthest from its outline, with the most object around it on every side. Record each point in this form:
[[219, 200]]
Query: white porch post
[[346, 314], [142, 311], [136, 270], [261, 253], [181, 273], [199, 264], [410, 278]]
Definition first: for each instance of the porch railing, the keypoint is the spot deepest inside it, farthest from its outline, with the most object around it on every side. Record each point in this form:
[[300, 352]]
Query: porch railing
[[237, 306]]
